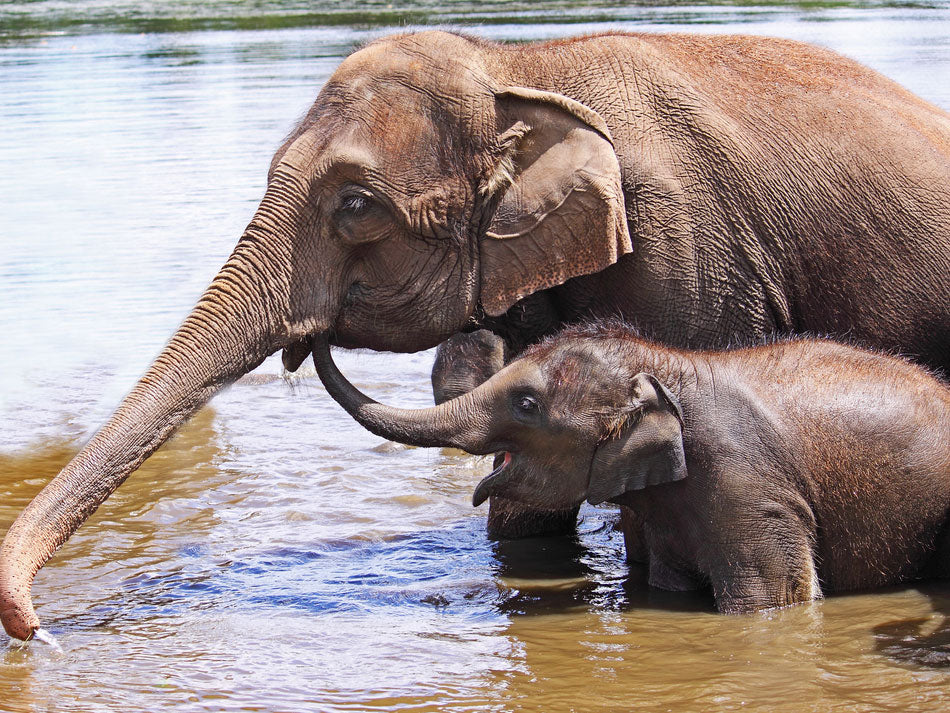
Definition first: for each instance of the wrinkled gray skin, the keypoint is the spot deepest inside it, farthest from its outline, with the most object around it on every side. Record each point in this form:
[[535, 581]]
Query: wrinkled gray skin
[[771, 474], [707, 188]]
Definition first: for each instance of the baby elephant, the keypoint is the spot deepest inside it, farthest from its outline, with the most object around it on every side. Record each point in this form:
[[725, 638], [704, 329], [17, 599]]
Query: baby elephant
[[770, 473]]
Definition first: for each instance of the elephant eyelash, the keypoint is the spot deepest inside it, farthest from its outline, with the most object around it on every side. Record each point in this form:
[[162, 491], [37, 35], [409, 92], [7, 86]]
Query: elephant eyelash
[[355, 203], [526, 406]]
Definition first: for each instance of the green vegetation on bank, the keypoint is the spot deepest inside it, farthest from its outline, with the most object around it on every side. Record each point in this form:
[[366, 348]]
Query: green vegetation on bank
[[45, 17]]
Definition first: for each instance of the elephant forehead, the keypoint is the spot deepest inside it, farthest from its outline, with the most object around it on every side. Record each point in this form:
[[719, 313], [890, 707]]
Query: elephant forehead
[[428, 59], [405, 159], [580, 363], [584, 383], [396, 83]]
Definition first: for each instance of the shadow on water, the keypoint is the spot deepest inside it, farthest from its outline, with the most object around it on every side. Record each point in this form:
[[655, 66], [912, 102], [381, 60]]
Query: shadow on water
[[160, 493], [919, 642], [587, 569]]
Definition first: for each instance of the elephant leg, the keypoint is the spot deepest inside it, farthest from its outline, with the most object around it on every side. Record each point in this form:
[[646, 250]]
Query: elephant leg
[[767, 567], [634, 538], [938, 567], [665, 576]]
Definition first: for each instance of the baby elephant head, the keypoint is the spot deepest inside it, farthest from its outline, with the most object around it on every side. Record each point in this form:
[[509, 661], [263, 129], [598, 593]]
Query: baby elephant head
[[582, 442], [571, 424]]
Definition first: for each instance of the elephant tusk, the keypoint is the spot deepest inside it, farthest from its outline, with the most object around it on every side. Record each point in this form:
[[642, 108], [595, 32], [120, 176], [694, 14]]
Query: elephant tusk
[[490, 482]]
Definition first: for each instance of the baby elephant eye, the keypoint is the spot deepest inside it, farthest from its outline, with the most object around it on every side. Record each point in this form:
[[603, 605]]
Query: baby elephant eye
[[526, 405]]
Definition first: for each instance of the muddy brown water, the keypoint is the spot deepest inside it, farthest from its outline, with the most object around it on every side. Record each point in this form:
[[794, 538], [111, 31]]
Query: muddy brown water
[[274, 556]]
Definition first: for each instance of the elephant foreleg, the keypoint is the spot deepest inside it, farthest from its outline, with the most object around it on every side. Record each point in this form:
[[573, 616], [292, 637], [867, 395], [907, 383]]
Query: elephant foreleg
[[634, 538]]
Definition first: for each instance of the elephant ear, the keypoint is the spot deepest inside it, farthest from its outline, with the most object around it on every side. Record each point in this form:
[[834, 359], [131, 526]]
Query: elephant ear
[[561, 209], [648, 450]]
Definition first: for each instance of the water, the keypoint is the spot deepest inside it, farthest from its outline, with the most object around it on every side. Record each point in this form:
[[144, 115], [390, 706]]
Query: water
[[274, 556]]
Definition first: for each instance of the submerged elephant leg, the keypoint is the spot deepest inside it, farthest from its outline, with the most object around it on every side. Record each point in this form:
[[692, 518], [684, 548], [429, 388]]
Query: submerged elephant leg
[[938, 567], [634, 539]]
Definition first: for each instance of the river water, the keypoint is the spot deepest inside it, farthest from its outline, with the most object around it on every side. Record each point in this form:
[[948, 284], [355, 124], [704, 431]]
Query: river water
[[274, 556]]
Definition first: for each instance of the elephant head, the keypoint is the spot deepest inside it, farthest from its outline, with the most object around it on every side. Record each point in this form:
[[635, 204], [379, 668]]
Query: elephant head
[[464, 362], [572, 419], [423, 187]]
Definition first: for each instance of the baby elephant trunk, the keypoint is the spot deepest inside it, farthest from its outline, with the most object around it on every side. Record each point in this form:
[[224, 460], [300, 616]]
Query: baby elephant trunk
[[459, 423]]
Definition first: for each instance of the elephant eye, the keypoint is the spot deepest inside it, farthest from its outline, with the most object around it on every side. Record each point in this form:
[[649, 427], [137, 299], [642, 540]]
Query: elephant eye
[[360, 216], [526, 407], [355, 204]]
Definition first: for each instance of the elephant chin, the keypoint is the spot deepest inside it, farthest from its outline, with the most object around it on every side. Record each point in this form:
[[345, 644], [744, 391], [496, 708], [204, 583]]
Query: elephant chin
[[294, 355]]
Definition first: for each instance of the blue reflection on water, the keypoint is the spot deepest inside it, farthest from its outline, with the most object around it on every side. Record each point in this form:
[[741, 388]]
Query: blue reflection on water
[[455, 570]]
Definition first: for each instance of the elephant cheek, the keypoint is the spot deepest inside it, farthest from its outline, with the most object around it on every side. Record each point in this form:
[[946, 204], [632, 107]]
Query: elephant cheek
[[406, 295], [389, 330], [548, 486]]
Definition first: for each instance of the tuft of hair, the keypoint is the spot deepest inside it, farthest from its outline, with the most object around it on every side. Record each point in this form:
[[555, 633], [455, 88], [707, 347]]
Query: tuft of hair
[[501, 177], [607, 328], [614, 422], [503, 172]]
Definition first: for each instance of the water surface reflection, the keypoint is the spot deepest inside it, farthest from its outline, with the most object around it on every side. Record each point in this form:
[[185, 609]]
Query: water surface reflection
[[273, 555]]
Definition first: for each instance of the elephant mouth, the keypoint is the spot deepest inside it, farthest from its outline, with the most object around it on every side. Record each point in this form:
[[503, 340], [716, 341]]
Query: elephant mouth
[[492, 482], [295, 354]]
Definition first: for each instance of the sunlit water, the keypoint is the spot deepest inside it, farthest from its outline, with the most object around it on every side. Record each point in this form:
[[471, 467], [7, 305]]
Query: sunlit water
[[274, 556]]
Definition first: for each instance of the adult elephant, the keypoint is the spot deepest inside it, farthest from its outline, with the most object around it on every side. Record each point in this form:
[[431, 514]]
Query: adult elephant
[[707, 188]]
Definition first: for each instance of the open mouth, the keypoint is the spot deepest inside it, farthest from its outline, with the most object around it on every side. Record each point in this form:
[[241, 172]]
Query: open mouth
[[491, 482]]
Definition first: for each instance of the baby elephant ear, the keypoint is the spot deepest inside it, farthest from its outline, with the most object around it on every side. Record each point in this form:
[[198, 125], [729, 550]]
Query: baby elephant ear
[[648, 450], [560, 210]]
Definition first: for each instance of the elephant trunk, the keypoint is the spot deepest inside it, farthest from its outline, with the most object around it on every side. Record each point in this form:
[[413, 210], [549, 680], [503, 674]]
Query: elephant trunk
[[231, 330], [460, 423]]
